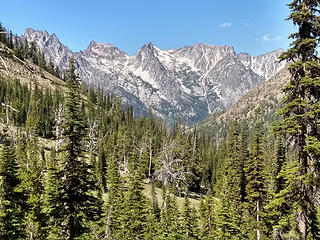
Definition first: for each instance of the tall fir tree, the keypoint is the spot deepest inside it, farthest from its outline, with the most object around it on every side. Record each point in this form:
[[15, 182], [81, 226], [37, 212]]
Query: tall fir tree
[[76, 181], [112, 224], [229, 186], [274, 208], [189, 221], [101, 170], [256, 188], [244, 157], [170, 224], [31, 176], [135, 207], [53, 206], [11, 199], [280, 160], [3, 37], [210, 217], [302, 113]]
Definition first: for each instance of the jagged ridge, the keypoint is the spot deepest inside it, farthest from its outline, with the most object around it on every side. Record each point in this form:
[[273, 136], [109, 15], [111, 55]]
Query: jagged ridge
[[191, 82]]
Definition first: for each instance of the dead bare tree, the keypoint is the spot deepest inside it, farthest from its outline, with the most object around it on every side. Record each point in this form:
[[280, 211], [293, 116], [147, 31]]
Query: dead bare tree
[[107, 233], [146, 147], [4, 63], [93, 138], [7, 129], [171, 171], [58, 117], [7, 111]]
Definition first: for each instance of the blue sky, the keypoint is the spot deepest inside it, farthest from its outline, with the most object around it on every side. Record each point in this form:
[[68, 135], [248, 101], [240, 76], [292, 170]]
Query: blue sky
[[253, 26]]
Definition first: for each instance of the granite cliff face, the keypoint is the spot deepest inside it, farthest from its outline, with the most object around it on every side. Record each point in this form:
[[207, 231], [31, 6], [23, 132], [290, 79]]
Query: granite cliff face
[[266, 97], [191, 82]]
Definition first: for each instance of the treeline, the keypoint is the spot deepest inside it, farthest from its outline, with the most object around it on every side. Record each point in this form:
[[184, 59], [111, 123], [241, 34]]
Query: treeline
[[30, 51]]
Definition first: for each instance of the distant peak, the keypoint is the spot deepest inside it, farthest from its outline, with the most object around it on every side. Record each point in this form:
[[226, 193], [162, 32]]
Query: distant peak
[[202, 45], [54, 37], [274, 52], [94, 44], [244, 54], [205, 45], [208, 47], [30, 31], [278, 50], [104, 49], [149, 45], [149, 48]]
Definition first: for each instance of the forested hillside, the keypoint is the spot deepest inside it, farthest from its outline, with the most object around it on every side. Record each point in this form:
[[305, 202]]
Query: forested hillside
[[76, 164]]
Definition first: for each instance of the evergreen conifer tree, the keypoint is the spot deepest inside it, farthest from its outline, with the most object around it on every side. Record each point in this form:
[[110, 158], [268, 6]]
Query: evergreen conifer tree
[[189, 222], [112, 220], [101, 170], [31, 176], [52, 202], [151, 228], [255, 184], [79, 204], [11, 200], [229, 187], [154, 202], [170, 225], [228, 221], [3, 36], [302, 114], [135, 208]]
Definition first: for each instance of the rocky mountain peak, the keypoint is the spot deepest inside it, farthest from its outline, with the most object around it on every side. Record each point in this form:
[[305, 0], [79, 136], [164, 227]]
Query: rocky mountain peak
[[149, 45], [147, 59], [104, 50], [148, 51], [204, 56], [36, 33], [53, 41], [95, 45], [53, 49], [245, 57], [39, 37], [53, 37]]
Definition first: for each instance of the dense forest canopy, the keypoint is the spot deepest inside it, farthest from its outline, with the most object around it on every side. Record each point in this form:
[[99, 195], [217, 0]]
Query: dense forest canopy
[[76, 164]]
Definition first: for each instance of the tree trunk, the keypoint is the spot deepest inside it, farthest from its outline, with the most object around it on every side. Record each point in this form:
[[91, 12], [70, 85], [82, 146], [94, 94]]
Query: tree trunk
[[107, 232], [258, 220], [302, 224], [125, 164], [150, 159]]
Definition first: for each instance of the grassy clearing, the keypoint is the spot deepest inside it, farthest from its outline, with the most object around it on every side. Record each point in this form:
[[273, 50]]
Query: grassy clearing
[[147, 191]]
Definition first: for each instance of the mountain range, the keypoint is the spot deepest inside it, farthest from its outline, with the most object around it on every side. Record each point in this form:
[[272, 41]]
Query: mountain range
[[192, 82]]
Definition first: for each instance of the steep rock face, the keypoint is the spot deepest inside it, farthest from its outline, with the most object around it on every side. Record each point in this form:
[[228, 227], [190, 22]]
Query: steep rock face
[[53, 49], [261, 64], [203, 57], [191, 82], [267, 97], [232, 78]]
